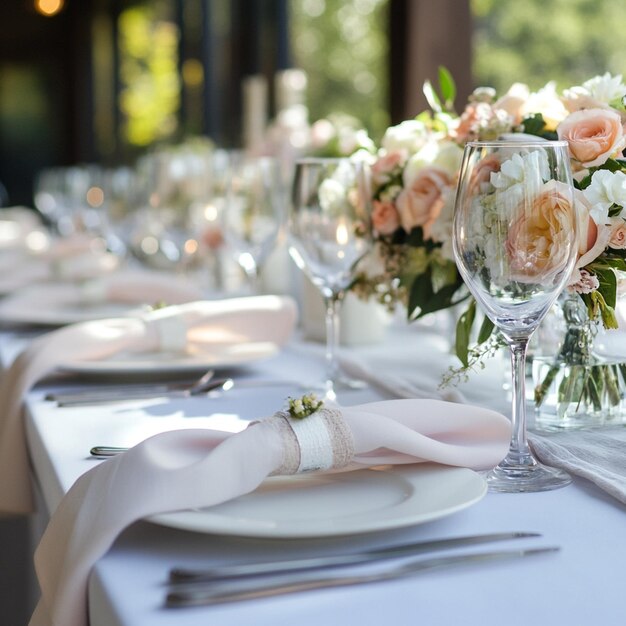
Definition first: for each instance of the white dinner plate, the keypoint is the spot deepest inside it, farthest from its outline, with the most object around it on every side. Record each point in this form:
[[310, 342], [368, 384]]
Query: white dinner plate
[[345, 503], [221, 356]]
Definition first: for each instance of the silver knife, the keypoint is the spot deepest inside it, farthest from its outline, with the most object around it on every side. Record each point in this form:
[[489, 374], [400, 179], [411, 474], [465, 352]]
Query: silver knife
[[209, 595], [226, 572]]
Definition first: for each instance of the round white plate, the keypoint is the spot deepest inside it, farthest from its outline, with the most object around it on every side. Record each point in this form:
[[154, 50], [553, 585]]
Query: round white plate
[[226, 355], [346, 503]]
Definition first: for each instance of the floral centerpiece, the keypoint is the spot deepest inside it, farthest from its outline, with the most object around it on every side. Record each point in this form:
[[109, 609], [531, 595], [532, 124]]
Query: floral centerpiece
[[415, 175]]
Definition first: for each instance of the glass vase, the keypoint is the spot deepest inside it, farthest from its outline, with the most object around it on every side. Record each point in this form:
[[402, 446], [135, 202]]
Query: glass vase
[[580, 384]]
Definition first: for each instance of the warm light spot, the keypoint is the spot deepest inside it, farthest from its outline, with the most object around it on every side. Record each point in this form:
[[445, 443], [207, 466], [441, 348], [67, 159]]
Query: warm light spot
[[210, 213], [191, 246], [37, 241], [193, 73], [94, 196], [49, 7], [341, 234]]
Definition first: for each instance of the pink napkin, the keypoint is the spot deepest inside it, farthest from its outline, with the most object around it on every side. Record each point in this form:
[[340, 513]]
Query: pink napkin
[[125, 287], [73, 258], [199, 468], [193, 327]]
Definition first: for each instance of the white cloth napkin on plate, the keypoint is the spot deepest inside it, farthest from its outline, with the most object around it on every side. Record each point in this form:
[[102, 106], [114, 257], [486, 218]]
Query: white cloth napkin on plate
[[125, 287], [72, 259], [193, 326], [198, 468]]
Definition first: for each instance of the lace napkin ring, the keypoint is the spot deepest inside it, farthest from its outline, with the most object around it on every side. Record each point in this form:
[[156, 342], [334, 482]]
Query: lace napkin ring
[[321, 441]]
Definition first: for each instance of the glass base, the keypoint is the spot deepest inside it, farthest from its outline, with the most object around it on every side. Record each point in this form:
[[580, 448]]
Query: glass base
[[525, 478], [328, 389]]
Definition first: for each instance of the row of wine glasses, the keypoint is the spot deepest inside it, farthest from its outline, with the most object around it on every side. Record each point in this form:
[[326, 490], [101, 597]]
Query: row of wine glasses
[[174, 209]]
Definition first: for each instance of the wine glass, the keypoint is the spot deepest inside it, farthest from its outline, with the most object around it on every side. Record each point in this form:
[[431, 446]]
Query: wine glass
[[328, 234], [253, 215], [515, 245]]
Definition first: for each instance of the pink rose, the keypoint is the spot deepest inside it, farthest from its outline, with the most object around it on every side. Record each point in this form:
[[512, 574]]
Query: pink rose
[[593, 135], [475, 116], [592, 238], [420, 203], [618, 235], [384, 166], [538, 243], [483, 171], [385, 217], [513, 102]]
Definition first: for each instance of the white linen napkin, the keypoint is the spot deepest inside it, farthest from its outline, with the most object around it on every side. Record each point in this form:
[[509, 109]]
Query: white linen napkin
[[124, 287], [598, 455], [198, 468], [73, 258], [193, 326]]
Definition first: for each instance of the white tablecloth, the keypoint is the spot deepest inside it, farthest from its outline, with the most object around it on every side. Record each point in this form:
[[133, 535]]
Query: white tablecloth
[[581, 584]]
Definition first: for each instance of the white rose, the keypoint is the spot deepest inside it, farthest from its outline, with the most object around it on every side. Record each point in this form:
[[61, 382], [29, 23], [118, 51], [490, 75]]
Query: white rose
[[409, 135], [547, 102], [599, 91], [606, 189], [332, 195]]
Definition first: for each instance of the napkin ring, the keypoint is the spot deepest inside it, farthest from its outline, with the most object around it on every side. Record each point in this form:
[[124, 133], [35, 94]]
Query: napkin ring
[[321, 441]]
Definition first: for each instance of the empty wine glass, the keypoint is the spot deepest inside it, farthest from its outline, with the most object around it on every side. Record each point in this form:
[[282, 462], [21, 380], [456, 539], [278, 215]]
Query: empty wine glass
[[328, 234], [253, 215], [515, 244]]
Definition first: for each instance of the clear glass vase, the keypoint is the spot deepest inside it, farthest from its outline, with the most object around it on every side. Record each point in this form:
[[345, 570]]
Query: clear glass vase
[[580, 384]]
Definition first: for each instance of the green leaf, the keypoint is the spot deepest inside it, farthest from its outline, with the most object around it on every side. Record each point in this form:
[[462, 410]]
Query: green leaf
[[534, 125], [447, 87], [431, 97], [608, 285], [463, 332], [486, 328]]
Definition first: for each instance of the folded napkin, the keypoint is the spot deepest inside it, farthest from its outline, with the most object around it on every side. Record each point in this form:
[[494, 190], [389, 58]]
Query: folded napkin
[[73, 258], [125, 287], [16, 224], [198, 468], [193, 327], [597, 455]]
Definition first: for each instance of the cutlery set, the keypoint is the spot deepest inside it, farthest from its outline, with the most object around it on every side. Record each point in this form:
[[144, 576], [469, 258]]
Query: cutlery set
[[207, 385], [234, 583]]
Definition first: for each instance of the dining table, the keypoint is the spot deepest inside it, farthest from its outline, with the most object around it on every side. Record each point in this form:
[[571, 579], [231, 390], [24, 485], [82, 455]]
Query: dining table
[[580, 583]]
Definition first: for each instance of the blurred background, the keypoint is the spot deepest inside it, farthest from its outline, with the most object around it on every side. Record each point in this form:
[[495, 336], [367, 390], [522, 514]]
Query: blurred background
[[102, 81]]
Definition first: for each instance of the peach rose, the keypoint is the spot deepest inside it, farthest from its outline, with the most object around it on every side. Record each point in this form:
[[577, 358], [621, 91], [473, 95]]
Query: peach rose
[[385, 217], [419, 204], [618, 235], [538, 244], [483, 171], [593, 135], [385, 165], [592, 238], [513, 101]]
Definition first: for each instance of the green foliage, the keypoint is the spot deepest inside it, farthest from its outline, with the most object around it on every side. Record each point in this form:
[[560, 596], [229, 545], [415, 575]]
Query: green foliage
[[444, 100], [537, 41], [342, 46]]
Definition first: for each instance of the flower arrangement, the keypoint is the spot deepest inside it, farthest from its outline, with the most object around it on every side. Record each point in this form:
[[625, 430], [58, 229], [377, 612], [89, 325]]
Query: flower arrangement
[[414, 185]]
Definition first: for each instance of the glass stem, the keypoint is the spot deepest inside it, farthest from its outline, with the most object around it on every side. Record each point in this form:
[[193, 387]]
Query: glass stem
[[519, 452], [332, 338]]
